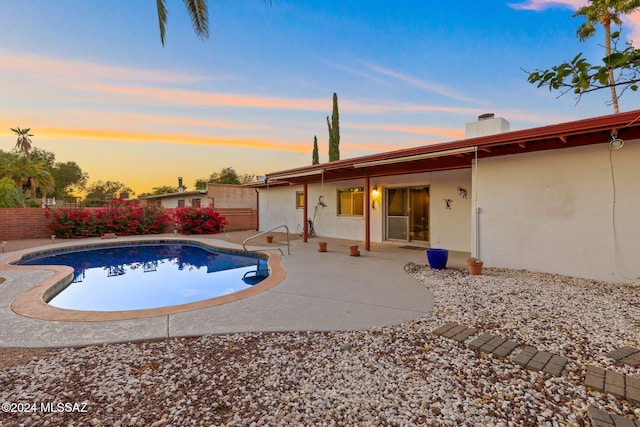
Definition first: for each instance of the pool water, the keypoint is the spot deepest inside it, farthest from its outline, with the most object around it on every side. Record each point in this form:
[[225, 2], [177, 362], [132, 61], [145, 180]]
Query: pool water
[[146, 276]]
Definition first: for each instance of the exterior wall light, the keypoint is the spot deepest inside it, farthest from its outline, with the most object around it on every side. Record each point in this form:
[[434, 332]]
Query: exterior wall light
[[374, 196], [375, 193]]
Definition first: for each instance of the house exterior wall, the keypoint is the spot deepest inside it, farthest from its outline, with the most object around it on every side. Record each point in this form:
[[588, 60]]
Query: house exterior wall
[[171, 202], [278, 207], [449, 228], [554, 211]]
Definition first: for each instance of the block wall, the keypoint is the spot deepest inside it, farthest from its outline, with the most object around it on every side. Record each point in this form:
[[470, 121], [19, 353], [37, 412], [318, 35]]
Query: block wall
[[30, 223], [23, 223]]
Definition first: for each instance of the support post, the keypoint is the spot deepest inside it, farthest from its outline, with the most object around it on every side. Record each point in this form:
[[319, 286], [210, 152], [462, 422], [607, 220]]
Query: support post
[[367, 218], [305, 228], [257, 209]]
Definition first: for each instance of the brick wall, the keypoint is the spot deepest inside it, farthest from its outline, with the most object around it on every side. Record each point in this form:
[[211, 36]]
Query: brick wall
[[240, 219], [23, 223], [30, 223], [232, 196]]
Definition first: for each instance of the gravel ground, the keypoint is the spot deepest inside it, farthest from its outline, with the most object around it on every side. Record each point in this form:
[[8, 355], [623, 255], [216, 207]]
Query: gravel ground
[[400, 375]]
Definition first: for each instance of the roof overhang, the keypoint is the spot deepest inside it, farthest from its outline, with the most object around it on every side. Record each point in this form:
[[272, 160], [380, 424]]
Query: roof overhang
[[301, 174], [415, 157], [179, 194], [461, 153]]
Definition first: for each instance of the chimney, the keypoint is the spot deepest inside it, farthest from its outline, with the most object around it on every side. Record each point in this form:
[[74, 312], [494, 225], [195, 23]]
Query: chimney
[[180, 187], [487, 124]]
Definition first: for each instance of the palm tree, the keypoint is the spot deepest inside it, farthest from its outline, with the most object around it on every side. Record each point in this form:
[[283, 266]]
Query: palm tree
[[42, 180], [24, 143], [605, 12], [28, 175], [197, 11]]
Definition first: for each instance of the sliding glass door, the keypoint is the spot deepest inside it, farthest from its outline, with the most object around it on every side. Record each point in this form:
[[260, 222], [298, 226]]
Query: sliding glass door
[[407, 213], [398, 214]]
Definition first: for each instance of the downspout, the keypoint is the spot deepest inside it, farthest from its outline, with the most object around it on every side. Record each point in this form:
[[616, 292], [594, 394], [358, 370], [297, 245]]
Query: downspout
[[367, 218], [476, 254]]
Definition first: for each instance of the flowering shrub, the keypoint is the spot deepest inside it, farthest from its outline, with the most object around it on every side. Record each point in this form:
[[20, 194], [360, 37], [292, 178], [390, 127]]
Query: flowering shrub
[[120, 217], [199, 221]]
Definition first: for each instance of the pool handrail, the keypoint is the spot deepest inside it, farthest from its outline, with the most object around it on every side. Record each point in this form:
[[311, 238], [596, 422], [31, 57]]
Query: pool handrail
[[244, 242]]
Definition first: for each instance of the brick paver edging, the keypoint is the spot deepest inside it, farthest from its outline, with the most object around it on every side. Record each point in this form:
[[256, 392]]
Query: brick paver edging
[[627, 355], [530, 357], [601, 418], [607, 381]]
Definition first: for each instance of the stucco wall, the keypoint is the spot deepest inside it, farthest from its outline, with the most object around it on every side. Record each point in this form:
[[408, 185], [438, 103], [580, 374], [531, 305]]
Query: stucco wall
[[450, 228], [553, 211], [171, 202], [278, 206]]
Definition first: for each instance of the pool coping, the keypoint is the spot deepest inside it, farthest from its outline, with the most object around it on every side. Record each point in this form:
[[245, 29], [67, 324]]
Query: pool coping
[[31, 303]]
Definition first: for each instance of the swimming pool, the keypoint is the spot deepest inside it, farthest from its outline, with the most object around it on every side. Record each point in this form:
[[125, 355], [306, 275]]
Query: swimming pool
[[150, 275]]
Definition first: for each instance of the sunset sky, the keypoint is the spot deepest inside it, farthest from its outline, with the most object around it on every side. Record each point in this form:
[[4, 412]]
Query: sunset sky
[[93, 82]]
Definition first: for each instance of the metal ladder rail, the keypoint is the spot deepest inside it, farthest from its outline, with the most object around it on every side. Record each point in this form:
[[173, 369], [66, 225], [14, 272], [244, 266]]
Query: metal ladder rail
[[244, 242]]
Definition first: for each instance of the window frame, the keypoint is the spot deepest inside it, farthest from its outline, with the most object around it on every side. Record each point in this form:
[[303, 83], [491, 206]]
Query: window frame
[[356, 208], [299, 199]]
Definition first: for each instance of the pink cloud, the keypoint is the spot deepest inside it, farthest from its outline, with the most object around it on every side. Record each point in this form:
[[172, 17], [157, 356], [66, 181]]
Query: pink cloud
[[547, 4], [80, 80], [178, 139], [140, 120], [420, 84], [631, 22], [450, 133], [73, 69]]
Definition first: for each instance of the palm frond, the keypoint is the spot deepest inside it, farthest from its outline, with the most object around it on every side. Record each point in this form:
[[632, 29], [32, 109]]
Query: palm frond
[[162, 18], [199, 15]]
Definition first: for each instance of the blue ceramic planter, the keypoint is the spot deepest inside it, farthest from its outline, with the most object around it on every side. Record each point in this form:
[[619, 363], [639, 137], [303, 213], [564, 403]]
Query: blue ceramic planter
[[437, 258]]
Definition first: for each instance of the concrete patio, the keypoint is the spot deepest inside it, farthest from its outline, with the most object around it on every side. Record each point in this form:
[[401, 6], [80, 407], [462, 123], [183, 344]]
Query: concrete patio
[[321, 292]]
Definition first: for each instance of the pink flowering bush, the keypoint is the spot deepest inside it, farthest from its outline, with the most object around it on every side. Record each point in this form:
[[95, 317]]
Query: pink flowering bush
[[120, 217], [199, 220]]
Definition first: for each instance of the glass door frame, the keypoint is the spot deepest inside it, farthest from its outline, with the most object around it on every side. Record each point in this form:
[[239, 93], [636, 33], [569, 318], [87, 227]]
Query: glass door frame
[[404, 219]]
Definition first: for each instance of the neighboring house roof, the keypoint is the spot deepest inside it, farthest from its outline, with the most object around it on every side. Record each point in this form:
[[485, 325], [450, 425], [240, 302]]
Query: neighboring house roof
[[460, 153], [173, 195]]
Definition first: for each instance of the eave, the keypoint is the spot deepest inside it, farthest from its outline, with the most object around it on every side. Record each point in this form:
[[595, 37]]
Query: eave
[[460, 153]]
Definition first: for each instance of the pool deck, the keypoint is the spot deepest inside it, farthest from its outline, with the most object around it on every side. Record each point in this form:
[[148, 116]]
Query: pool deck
[[322, 291]]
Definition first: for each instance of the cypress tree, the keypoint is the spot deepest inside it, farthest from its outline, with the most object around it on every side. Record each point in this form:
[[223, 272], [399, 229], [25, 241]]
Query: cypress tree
[[315, 159], [334, 131]]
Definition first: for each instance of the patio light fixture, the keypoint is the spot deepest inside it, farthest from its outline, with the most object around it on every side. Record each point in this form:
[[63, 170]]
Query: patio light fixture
[[615, 143], [374, 195]]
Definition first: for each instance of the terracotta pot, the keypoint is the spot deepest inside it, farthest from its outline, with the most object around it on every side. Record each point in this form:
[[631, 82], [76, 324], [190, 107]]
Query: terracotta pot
[[322, 246], [475, 266], [269, 239], [353, 250]]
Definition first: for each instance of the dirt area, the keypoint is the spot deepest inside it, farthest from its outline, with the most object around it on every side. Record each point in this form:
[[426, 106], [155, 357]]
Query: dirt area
[[14, 356]]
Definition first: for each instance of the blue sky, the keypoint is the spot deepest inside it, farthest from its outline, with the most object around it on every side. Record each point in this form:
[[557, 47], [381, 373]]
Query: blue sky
[[93, 82]]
